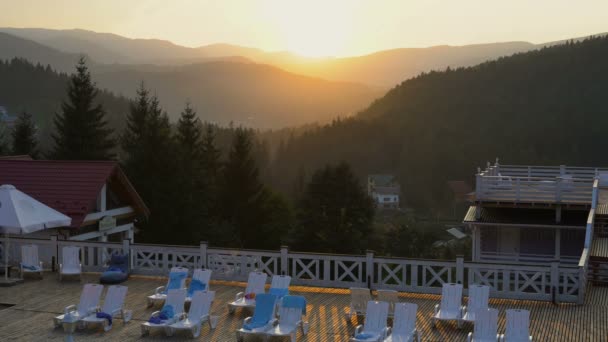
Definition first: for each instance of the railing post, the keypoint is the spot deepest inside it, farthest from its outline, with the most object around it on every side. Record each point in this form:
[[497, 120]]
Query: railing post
[[203, 254], [55, 256], [460, 269], [555, 281], [582, 284], [369, 268], [478, 185], [126, 250], [284, 260]]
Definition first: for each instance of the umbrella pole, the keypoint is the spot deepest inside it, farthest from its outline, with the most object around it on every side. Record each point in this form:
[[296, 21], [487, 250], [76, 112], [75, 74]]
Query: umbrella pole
[[6, 247]]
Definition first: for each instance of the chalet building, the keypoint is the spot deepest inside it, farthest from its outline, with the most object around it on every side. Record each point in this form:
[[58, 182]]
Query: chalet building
[[537, 214], [97, 196], [385, 191]]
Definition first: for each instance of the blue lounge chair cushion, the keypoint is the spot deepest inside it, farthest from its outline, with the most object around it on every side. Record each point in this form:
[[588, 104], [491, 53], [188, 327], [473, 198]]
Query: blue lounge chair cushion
[[118, 270], [263, 312], [165, 314], [175, 281], [278, 292], [31, 267], [196, 285], [364, 336], [113, 277], [295, 302]]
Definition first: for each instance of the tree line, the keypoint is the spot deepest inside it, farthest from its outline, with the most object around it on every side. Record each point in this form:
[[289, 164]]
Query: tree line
[[194, 191]]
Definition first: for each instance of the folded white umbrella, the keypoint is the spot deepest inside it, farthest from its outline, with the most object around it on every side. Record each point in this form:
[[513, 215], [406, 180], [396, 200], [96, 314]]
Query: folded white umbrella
[[22, 214]]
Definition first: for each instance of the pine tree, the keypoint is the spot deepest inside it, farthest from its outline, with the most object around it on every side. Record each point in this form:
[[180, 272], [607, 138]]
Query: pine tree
[[335, 213], [4, 148], [24, 136], [211, 154], [81, 127], [134, 135]]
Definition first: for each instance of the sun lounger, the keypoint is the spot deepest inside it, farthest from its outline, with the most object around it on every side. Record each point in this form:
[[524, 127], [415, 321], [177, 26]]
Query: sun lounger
[[263, 317], [89, 300], [518, 326], [291, 311], [177, 280], [172, 311], [70, 265], [198, 314], [200, 282], [255, 286], [389, 296], [359, 297], [404, 324], [486, 325], [375, 327], [478, 301], [450, 308], [30, 263], [113, 307]]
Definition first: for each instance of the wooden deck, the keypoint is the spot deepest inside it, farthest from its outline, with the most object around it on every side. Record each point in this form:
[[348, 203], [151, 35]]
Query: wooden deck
[[36, 302]]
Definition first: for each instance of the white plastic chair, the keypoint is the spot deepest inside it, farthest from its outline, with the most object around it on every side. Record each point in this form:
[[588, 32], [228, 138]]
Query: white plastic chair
[[255, 285], [478, 300], [113, 305], [518, 326], [175, 299], [198, 314], [280, 282], [70, 265], [389, 296], [290, 319], [29, 258], [160, 294], [404, 324], [89, 301], [264, 313], [202, 275], [375, 327], [450, 308], [485, 328], [359, 297]]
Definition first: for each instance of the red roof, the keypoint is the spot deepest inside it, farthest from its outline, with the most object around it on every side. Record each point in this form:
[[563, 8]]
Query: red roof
[[70, 187]]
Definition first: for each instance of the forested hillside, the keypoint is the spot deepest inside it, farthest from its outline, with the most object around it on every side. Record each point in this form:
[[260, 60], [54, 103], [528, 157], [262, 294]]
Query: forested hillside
[[39, 90], [541, 107]]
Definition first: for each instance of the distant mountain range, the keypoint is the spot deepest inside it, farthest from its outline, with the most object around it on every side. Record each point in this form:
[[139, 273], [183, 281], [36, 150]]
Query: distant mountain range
[[242, 84]]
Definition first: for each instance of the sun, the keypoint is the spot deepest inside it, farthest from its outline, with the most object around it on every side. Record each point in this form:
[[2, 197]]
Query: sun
[[312, 28]]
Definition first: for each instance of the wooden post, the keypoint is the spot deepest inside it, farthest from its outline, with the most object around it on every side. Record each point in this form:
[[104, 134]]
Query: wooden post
[[126, 250], [284, 260], [459, 269], [203, 254], [55, 256], [555, 281], [369, 267], [582, 284]]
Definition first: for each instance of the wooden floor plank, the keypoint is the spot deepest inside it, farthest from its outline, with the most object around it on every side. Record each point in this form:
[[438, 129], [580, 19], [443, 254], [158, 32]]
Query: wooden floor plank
[[36, 302]]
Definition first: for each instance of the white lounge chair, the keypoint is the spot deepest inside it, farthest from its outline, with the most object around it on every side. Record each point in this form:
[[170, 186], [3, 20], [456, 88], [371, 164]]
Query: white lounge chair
[[404, 324], [478, 300], [30, 263], [359, 297], [89, 301], [177, 280], [486, 326], [279, 285], [197, 315], [255, 286], [290, 318], [389, 296], [518, 326], [375, 327], [70, 262], [113, 305], [450, 308], [263, 317], [200, 282], [174, 300]]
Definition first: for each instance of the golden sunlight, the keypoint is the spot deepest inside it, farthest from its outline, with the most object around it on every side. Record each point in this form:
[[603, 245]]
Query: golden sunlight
[[313, 28]]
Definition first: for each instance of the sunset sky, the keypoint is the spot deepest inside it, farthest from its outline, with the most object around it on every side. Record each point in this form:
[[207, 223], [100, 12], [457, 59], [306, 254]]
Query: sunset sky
[[318, 27]]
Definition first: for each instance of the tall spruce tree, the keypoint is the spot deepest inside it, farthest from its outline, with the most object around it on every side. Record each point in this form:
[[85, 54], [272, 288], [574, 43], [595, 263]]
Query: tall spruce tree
[[4, 148], [334, 214], [81, 129], [248, 207], [24, 136]]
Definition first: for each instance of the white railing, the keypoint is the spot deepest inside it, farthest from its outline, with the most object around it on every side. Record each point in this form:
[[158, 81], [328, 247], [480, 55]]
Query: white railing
[[546, 184], [517, 281]]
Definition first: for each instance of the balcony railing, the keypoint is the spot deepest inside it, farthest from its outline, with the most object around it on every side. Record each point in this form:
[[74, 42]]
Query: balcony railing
[[546, 281]]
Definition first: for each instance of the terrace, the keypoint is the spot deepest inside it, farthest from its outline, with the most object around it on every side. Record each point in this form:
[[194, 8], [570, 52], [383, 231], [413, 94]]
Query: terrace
[[36, 302]]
